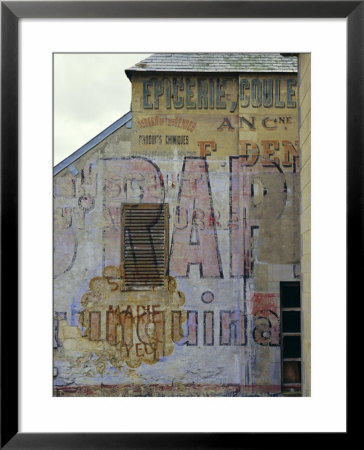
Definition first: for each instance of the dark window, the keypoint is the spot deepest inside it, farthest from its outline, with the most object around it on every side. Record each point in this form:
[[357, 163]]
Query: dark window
[[290, 295], [291, 337], [291, 346], [291, 321], [144, 245]]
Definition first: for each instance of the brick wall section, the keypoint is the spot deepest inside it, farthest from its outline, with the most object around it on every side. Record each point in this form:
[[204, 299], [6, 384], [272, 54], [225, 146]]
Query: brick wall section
[[304, 82]]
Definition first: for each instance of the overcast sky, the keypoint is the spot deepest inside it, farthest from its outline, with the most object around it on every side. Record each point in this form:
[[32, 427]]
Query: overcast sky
[[91, 91]]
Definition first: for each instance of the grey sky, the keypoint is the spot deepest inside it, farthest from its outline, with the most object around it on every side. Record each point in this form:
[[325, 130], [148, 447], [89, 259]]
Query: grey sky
[[91, 91]]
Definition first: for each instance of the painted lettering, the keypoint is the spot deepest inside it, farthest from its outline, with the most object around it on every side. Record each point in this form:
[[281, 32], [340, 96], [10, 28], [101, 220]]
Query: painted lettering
[[220, 94], [195, 190], [290, 150], [268, 151], [149, 324], [146, 94], [206, 147], [226, 124], [278, 103], [266, 331], [190, 104], [244, 99], [269, 123], [249, 152], [240, 226], [158, 91], [208, 319], [266, 93], [243, 120], [232, 328], [190, 337], [202, 98], [176, 140], [256, 93], [177, 86], [188, 92], [95, 325], [290, 93]]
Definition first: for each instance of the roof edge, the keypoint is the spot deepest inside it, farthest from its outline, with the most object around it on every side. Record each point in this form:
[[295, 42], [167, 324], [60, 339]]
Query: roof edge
[[143, 67], [129, 73], [92, 143]]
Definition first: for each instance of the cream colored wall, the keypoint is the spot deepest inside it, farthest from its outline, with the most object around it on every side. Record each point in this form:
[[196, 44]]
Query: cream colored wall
[[305, 148]]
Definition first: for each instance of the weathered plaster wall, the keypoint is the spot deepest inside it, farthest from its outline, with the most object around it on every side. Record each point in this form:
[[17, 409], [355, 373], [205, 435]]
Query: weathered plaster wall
[[305, 214], [222, 152]]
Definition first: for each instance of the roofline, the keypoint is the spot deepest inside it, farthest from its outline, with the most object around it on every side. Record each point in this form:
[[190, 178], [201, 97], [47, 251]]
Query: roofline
[[129, 73], [92, 143]]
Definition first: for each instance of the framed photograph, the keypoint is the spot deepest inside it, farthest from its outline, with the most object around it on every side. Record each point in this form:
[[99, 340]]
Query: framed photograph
[[176, 272]]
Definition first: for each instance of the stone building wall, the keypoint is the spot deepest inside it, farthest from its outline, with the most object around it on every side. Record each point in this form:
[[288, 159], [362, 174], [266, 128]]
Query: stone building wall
[[221, 151], [305, 215]]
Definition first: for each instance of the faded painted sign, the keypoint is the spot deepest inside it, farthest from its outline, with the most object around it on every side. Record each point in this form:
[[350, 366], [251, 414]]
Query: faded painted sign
[[184, 114], [222, 153]]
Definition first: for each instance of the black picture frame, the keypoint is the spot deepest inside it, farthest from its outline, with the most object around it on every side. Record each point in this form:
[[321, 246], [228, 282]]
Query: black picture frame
[[11, 12]]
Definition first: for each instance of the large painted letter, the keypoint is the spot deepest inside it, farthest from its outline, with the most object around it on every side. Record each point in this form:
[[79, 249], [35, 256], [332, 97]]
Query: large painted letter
[[130, 180], [197, 242], [240, 224]]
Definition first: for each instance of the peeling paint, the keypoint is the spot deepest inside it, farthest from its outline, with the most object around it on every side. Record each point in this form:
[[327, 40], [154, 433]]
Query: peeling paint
[[223, 153]]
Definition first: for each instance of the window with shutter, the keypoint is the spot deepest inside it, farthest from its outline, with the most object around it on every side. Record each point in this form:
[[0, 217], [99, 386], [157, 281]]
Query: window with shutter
[[144, 245]]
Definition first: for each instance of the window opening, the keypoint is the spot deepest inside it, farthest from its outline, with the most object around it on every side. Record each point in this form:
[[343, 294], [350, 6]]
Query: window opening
[[144, 245], [291, 338]]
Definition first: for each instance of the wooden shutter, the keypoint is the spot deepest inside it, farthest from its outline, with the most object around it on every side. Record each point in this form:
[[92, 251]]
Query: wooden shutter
[[144, 245]]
